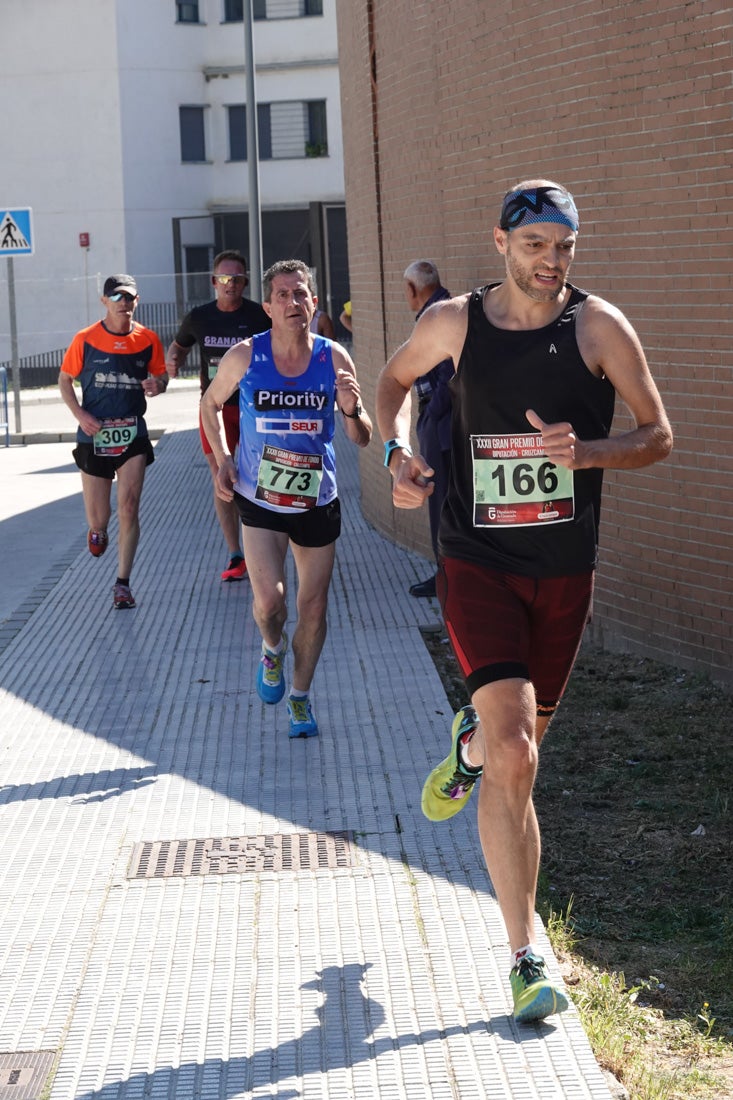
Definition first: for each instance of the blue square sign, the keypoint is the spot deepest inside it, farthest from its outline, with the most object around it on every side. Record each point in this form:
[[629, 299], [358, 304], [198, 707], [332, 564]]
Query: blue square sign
[[16, 232]]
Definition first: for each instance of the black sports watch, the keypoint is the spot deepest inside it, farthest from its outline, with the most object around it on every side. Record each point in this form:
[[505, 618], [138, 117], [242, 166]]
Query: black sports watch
[[356, 413]]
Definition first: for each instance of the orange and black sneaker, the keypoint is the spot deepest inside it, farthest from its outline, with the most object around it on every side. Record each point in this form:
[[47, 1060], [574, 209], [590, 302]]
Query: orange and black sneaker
[[236, 569], [97, 542]]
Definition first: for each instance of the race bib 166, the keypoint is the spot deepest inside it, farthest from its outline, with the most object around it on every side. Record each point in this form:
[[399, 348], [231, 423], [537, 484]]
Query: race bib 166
[[516, 485]]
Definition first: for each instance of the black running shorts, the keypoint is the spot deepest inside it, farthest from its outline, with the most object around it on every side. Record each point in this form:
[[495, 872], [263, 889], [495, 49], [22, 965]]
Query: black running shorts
[[319, 526], [103, 465]]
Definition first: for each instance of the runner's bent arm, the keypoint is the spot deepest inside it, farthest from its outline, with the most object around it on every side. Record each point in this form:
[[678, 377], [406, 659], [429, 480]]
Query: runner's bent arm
[[439, 334], [175, 358], [232, 368], [611, 347], [156, 381], [348, 395], [155, 384]]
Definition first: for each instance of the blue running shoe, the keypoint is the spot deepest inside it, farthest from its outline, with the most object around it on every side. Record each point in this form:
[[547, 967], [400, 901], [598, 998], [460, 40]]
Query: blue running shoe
[[302, 722], [270, 678]]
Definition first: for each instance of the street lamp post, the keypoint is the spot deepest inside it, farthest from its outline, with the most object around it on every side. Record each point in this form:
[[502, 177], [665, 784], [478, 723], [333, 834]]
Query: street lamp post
[[253, 157]]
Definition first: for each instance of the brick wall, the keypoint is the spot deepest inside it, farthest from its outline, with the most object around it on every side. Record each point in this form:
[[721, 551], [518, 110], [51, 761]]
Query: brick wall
[[628, 105]]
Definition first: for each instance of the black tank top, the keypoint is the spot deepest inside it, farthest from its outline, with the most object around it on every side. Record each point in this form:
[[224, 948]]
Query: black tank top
[[507, 506]]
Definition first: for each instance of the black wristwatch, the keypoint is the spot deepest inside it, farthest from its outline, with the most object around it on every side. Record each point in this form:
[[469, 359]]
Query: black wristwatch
[[356, 413]]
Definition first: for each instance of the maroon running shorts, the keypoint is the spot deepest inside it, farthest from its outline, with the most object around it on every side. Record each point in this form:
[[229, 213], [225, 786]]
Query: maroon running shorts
[[230, 418], [502, 625]]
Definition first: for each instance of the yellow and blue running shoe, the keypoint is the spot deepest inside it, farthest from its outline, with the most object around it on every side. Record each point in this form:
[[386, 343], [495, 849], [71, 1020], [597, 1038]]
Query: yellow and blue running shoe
[[534, 994], [270, 677], [448, 787], [300, 713]]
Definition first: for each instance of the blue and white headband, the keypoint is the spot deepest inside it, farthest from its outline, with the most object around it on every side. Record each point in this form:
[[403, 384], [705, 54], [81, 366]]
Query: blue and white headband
[[538, 204]]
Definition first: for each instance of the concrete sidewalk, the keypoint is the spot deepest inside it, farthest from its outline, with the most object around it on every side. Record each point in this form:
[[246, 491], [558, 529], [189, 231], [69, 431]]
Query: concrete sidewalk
[[41, 507], [192, 904], [45, 419]]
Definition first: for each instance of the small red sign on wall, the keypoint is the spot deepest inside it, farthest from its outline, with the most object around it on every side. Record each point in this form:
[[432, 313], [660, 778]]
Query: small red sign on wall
[[84, 240]]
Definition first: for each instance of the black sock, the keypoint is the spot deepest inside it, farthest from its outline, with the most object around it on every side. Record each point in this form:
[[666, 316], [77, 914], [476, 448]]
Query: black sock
[[123, 580]]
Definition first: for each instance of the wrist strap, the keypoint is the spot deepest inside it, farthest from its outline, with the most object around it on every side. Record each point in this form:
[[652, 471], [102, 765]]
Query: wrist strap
[[395, 445]]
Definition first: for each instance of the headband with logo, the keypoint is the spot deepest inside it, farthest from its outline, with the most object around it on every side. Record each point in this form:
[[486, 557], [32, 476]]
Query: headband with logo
[[540, 204]]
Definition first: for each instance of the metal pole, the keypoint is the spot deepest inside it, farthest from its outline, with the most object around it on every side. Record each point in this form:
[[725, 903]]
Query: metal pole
[[86, 283], [14, 343], [4, 424], [253, 158]]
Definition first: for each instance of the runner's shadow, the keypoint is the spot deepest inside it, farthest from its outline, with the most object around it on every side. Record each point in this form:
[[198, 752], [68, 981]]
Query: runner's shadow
[[78, 788], [69, 468], [341, 1039]]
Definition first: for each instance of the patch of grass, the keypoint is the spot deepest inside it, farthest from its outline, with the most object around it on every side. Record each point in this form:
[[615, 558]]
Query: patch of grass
[[655, 1056], [633, 798], [637, 828]]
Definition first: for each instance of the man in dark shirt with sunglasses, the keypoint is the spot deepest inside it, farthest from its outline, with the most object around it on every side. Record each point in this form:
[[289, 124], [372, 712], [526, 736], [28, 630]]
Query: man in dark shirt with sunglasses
[[216, 327]]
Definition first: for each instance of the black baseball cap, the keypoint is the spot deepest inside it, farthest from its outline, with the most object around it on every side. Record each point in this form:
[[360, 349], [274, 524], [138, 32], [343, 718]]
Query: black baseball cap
[[117, 283]]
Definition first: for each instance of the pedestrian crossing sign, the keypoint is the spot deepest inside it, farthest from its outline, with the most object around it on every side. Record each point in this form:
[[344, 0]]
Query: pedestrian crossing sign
[[16, 232]]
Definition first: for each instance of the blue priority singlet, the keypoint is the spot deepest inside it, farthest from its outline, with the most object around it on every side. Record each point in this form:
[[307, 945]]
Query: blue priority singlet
[[286, 458], [507, 506]]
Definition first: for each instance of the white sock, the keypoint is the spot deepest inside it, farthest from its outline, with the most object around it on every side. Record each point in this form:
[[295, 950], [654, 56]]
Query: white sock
[[463, 753], [530, 949], [295, 694], [276, 648]]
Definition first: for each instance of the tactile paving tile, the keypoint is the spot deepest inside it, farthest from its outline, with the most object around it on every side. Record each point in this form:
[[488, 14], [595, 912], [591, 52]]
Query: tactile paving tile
[[388, 978]]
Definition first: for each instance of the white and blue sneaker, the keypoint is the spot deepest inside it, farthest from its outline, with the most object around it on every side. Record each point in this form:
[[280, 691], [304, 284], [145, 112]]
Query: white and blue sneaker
[[302, 722], [270, 678]]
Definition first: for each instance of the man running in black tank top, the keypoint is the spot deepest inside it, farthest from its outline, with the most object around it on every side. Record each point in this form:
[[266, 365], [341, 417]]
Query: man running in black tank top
[[539, 363], [215, 327]]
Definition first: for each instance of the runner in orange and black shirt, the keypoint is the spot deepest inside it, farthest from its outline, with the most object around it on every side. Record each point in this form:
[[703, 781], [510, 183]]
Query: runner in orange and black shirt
[[119, 364]]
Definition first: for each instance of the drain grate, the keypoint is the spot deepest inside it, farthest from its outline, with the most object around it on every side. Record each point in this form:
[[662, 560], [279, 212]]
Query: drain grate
[[236, 855], [23, 1075]]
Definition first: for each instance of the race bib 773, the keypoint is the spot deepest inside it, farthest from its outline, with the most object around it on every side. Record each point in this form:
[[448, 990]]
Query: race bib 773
[[289, 479]]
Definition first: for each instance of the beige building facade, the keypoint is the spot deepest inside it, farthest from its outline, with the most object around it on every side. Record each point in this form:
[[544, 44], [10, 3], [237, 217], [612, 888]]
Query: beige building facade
[[628, 104]]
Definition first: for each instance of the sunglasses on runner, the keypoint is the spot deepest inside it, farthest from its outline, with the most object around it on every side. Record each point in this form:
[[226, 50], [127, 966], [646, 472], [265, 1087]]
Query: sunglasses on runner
[[225, 280], [120, 295]]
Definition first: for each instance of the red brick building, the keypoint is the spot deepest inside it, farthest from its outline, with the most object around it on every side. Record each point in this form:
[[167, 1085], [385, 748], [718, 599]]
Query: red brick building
[[445, 106]]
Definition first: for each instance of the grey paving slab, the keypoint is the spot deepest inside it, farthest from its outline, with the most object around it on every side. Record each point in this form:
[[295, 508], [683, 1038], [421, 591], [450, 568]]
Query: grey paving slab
[[385, 978], [41, 506]]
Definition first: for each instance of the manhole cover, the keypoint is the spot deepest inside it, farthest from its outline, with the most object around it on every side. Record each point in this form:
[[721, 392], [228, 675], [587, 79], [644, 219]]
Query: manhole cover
[[236, 855], [23, 1075]]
